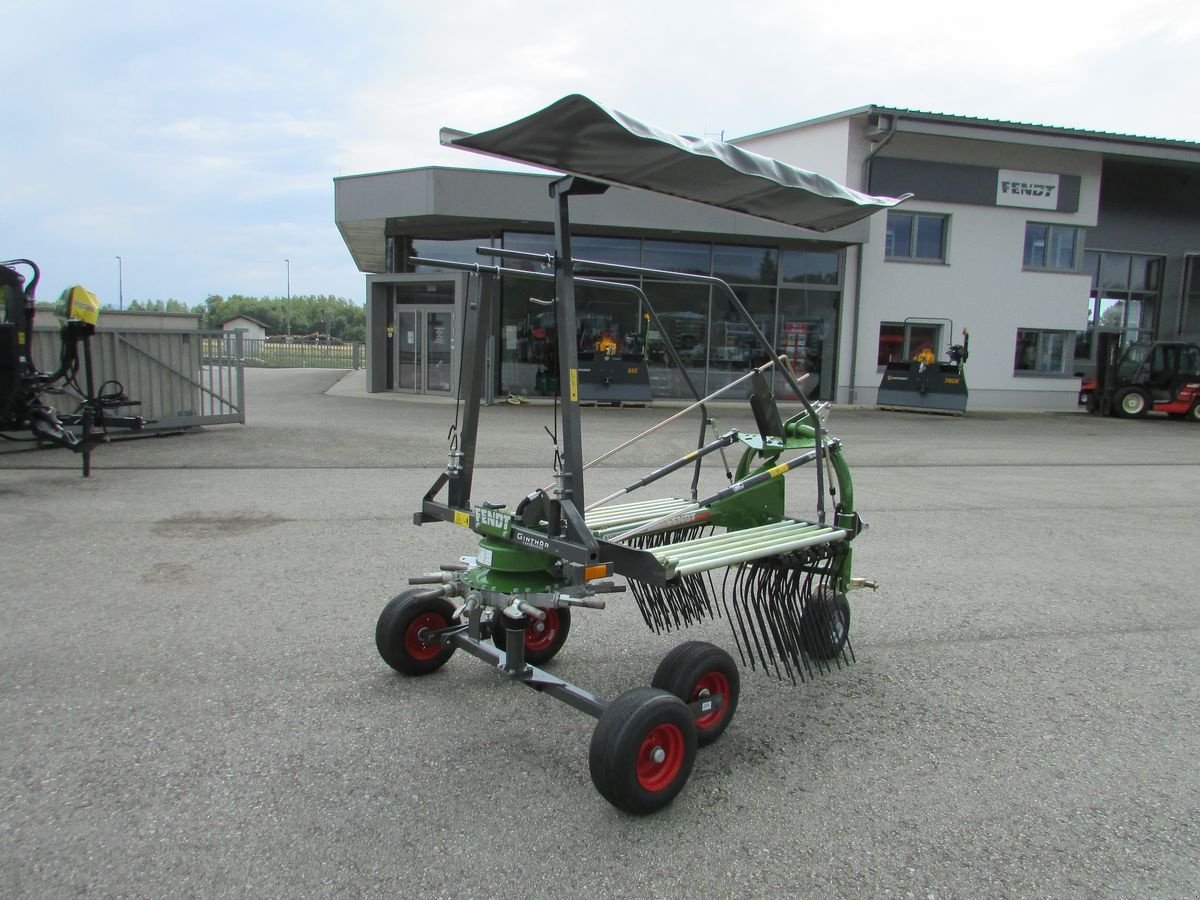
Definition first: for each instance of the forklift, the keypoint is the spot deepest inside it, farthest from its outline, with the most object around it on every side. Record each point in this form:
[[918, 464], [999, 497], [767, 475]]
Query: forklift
[[1148, 376]]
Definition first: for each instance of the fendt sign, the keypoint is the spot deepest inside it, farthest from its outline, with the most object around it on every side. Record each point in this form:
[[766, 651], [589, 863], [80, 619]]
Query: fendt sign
[[1035, 190]]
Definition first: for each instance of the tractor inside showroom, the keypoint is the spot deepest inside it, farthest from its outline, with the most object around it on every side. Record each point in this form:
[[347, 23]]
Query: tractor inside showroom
[[1158, 376]]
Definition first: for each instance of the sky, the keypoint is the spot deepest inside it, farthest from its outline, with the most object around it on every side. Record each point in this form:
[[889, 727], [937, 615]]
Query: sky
[[199, 142]]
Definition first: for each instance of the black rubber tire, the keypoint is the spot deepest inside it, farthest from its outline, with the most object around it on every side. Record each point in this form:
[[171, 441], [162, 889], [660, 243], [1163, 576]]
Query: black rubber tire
[[543, 640], [827, 625], [398, 626], [693, 669], [1131, 402], [621, 756], [1193, 414]]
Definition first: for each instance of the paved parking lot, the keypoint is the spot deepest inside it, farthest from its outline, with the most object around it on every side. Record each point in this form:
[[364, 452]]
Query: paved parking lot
[[191, 702]]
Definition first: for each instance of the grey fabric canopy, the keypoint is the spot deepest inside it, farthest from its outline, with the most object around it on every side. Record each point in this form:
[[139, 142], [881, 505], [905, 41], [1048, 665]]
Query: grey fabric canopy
[[578, 136]]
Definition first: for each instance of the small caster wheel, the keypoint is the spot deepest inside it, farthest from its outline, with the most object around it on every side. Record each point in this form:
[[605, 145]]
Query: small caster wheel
[[398, 633], [695, 670], [543, 639], [826, 625], [643, 750]]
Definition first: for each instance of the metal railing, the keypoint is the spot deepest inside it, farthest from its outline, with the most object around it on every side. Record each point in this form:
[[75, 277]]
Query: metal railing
[[303, 354], [181, 379]]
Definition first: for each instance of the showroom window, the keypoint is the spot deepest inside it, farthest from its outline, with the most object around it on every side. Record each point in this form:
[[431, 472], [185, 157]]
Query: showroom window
[[1052, 248], [919, 237], [902, 341], [1043, 352], [1125, 297]]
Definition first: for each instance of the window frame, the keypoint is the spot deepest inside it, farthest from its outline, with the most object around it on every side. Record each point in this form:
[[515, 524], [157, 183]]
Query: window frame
[[914, 238], [906, 346], [1066, 355], [1051, 228]]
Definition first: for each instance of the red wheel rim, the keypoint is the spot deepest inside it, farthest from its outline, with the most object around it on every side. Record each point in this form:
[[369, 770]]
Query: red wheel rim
[[413, 645], [536, 641], [660, 757], [714, 683]]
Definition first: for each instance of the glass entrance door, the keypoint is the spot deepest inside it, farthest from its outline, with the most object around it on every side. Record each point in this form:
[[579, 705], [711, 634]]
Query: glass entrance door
[[424, 349]]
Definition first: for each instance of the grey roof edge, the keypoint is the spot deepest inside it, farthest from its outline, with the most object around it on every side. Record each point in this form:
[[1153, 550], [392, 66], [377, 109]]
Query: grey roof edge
[[1055, 131]]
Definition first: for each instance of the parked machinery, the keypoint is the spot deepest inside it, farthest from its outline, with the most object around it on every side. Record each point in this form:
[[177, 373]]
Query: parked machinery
[[24, 389], [924, 384], [1148, 376], [785, 577]]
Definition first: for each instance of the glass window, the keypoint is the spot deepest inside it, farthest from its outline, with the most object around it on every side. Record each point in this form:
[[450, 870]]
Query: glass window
[[903, 341], [1053, 248], [1190, 317], [918, 236], [529, 243], [812, 267], [1043, 352], [1114, 271], [806, 332], [683, 316], [624, 251], [732, 345], [452, 251], [678, 256], [746, 265], [528, 337]]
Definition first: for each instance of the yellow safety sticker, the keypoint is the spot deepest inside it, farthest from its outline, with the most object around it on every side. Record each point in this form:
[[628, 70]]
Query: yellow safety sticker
[[462, 519], [574, 385], [776, 471]]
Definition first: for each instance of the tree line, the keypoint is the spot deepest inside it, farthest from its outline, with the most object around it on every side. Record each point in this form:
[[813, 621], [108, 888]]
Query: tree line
[[301, 314]]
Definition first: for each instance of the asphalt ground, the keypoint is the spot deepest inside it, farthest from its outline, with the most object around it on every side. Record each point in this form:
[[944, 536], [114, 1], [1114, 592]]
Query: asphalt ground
[[191, 703]]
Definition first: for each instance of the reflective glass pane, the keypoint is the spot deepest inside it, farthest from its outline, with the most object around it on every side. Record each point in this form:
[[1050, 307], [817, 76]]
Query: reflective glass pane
[[1026, 355], [899, 235], [625, 251], [607, 322], [922, 338], [753, 265], [1062, 248], [891, 343], [931, 234], [438, 343], [732, 346], [811, 266], [529, 243], [1114, 271], [1091, 264], [454, 251], [528, 337], [683, 319], [1052, 352], [677, 256], [1146, 273], [1036, 237], [806, 332], [408, 360]]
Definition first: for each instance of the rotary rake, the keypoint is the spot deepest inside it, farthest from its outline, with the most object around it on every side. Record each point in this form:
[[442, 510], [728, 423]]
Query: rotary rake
[[779, 581]]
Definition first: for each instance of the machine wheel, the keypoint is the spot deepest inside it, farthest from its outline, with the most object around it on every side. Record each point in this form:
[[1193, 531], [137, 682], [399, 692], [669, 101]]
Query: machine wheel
[[1193, 414], [397, 634], [1131, 403], [643, 750], [697, 669], [826, 634], [543, 640]]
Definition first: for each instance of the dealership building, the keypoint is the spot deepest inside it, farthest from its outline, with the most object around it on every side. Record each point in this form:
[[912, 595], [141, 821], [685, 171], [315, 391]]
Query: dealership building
[[1033, 238]]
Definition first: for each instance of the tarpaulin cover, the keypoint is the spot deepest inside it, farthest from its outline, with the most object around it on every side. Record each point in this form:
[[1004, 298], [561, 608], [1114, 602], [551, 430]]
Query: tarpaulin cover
[[578, 136]]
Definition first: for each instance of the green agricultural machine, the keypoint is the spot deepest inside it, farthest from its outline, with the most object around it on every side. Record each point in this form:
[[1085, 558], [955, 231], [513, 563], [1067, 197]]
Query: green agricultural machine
[[780, 581]]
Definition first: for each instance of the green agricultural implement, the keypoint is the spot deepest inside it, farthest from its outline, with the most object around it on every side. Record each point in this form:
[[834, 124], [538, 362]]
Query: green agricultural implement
[[780, 581]]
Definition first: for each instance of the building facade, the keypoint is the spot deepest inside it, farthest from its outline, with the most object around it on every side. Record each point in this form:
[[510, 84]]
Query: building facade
[[1033, 238]]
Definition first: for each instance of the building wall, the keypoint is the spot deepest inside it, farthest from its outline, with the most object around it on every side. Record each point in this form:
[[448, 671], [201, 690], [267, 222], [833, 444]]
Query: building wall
[[982, 285]]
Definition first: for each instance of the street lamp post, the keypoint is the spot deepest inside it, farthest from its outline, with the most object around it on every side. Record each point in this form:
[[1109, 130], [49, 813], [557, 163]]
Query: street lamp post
[[120, 284], [289, 296]]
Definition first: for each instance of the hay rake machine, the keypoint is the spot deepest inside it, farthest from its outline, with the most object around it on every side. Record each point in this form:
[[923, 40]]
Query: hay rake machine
[[780, 581]]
